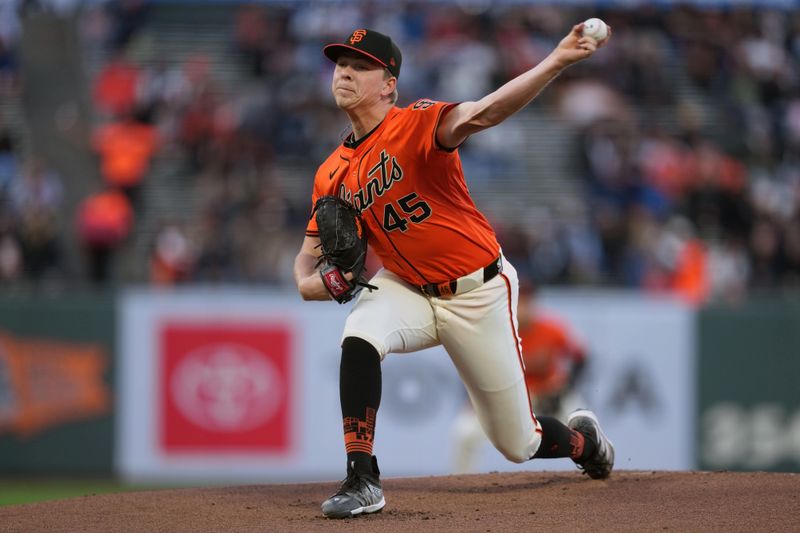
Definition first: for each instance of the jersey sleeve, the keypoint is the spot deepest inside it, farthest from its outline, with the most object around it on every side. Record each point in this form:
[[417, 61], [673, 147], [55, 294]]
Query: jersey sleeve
[[311, 227], [426, 115]]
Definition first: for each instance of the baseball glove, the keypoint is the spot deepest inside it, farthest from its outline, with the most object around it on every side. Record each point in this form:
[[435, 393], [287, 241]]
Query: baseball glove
[[343, 243]]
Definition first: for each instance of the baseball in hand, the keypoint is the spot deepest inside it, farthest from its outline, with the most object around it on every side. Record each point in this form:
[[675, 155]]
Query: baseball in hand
[[595, 28]]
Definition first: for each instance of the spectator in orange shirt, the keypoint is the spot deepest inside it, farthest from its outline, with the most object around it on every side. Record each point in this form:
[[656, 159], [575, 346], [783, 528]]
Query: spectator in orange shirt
[[104, 222], [554, 361], [126, 149], [115, 88]]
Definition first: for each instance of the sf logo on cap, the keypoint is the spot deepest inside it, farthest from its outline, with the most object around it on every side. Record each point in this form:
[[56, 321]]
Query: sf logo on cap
[[357, 36]]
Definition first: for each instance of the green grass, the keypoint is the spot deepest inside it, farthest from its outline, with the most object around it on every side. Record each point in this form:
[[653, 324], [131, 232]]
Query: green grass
[[17, 491]]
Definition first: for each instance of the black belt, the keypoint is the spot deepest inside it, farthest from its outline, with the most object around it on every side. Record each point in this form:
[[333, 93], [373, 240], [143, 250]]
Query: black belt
[[451, 288]]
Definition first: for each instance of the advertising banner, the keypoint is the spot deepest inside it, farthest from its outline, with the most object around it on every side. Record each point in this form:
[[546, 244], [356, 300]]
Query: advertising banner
[[224, 387], [243, 387]]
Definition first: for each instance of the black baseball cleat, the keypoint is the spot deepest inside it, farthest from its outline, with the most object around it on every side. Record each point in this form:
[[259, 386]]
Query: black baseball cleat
[[600, 464], [359, 493]]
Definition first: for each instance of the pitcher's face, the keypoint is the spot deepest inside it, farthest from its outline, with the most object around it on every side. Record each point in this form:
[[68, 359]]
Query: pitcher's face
[[357, 81]]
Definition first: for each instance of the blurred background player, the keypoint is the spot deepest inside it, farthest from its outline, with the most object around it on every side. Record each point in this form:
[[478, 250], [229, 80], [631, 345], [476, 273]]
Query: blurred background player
[[554, 357], [554, 362]]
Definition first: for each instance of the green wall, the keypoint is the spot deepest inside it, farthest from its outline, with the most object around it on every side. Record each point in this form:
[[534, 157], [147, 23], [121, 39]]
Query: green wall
[[749, 387], [81, 445]]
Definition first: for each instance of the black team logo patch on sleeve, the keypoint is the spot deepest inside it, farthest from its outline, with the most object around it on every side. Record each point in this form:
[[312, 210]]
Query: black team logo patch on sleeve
[[422, 104]]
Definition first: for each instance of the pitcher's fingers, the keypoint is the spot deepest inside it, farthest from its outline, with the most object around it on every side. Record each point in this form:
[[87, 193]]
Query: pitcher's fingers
[[587, 43], [604, 41]]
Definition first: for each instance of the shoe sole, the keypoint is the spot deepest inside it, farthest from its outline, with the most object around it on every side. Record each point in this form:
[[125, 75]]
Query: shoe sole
[[368, 509], [585, 413]]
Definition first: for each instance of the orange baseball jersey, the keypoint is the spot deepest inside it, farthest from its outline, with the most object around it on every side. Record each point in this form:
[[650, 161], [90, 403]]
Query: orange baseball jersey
[[548, 350], [411, 193]]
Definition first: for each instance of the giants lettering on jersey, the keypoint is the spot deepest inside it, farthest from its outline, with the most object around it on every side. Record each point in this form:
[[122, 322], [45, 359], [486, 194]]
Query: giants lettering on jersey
[[377, 185]]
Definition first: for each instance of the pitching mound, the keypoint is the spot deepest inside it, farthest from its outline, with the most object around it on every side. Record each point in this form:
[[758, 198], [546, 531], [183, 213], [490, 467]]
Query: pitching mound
[[628, 501]]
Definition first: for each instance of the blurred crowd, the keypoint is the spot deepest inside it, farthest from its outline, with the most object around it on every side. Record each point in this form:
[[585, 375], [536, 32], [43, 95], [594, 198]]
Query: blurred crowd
[[685, 141], [705, 204]]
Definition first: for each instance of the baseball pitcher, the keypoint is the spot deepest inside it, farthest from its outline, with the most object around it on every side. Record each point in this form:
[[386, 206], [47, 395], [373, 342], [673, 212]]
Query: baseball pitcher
[[397, 181]]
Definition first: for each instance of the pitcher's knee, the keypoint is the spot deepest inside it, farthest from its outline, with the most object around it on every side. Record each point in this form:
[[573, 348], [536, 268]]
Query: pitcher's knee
[[521, 452], [514, 456]]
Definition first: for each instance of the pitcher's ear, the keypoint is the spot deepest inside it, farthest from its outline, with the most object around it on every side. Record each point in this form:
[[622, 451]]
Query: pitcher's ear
[[390, 84]]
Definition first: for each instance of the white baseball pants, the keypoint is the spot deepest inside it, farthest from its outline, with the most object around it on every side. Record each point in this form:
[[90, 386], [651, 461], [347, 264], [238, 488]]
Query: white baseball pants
[[478, 329]]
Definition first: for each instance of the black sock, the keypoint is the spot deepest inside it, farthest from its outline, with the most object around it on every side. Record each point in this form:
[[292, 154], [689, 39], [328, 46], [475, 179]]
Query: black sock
[[360, 397], [558, 440]]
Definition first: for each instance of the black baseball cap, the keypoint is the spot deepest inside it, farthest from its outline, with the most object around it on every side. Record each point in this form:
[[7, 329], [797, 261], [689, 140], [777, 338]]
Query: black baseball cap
[[372, 44]]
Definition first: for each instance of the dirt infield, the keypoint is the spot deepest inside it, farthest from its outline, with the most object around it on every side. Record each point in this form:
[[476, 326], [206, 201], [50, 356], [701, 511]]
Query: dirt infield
[[628, 501]]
